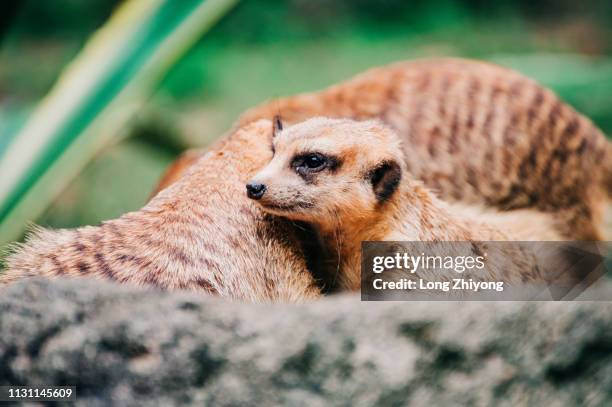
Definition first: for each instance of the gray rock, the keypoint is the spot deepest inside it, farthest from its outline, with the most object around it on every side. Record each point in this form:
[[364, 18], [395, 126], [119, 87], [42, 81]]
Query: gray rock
[[130, 346]]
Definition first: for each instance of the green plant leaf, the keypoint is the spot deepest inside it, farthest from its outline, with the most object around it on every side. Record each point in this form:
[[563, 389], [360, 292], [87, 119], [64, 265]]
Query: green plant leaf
[[94, 99]]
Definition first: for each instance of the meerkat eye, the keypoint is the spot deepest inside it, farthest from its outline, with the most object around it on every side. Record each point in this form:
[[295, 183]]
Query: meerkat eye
[[311, 162]]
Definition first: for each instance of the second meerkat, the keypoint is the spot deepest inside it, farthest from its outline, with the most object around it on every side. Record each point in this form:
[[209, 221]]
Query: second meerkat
[[349, 180], [475, 133]]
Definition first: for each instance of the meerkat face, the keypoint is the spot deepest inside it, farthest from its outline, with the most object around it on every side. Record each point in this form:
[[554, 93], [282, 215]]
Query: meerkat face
[[326, 169]]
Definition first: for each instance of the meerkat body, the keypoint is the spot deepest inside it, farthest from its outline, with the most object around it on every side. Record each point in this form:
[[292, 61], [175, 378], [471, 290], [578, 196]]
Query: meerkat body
[[475, 133], [200, 234], [349, 180]]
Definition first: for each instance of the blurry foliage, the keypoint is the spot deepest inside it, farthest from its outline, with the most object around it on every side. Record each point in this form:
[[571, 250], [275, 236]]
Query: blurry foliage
[[60, 18], [135, 159], [94, 100], [269, 48], [258, 21], [41, 37]]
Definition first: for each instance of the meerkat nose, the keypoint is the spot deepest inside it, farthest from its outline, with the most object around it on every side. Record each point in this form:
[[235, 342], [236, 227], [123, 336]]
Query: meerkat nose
[[255, 190]]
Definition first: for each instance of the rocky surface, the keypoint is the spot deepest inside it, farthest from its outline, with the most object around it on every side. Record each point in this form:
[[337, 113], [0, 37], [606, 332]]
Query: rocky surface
[[129, 346]]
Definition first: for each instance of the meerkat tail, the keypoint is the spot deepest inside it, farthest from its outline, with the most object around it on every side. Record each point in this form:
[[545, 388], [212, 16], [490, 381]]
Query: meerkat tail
[[37, 256], [91, 251]]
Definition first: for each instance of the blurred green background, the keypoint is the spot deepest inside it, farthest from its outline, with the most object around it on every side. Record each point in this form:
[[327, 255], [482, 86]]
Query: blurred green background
[[270, 48]]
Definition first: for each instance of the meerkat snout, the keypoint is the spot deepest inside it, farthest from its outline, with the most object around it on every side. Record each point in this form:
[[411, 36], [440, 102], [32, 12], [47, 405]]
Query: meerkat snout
[[255, 190]]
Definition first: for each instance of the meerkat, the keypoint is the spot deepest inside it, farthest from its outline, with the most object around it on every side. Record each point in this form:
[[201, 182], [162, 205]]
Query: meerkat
[[201, 234], [350, 181], [475, 133], [177, 169]]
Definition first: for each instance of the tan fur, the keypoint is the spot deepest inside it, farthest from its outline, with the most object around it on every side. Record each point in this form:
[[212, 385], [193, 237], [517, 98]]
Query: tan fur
[[607, 221], [200, 234], [177, 169], [476, 133], [473, 132], [339, 198], [521, 224]]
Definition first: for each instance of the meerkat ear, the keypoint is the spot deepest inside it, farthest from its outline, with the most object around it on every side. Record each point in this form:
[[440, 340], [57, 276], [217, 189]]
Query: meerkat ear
[[385, 179], [278, 124]]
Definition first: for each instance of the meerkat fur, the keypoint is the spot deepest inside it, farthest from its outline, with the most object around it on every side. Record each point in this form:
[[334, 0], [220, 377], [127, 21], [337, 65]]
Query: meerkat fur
[[476, 133], [349, 180], [201, 234]]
